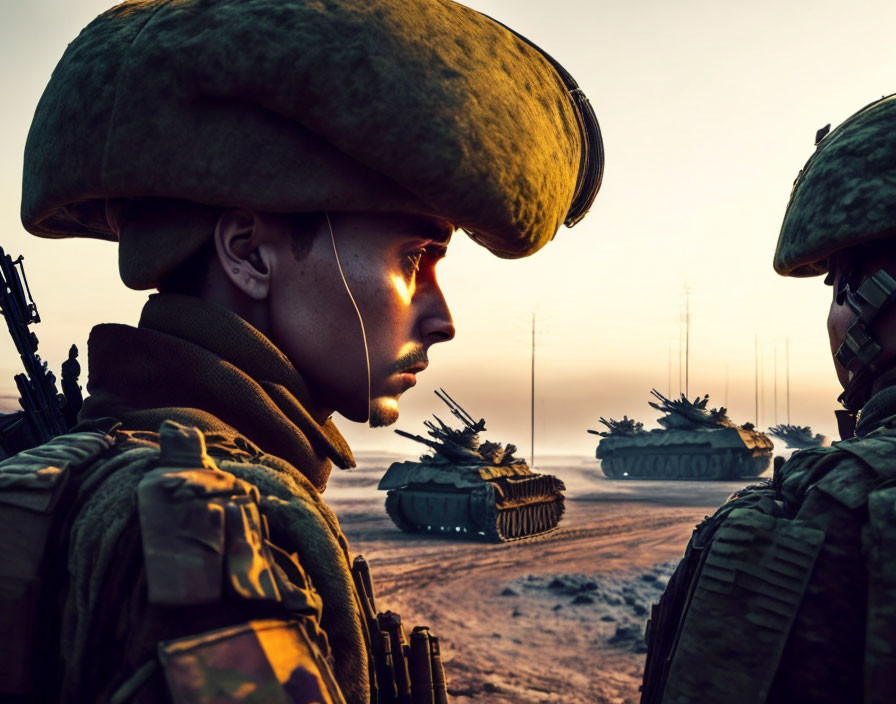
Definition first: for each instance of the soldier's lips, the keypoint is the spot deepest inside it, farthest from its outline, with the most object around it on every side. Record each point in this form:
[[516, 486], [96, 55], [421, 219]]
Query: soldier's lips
[[407, 377]]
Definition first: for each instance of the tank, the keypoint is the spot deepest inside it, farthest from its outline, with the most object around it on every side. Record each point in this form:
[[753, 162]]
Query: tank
[[798, 437], [465, 486], [693, 442]]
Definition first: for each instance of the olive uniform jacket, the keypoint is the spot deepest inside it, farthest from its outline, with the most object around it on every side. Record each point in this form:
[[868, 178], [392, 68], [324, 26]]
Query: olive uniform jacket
[[168, 556], [788, 593]]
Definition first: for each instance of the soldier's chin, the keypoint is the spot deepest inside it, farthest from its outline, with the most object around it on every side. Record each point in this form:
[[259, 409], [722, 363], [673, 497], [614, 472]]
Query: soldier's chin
[[383, 412]]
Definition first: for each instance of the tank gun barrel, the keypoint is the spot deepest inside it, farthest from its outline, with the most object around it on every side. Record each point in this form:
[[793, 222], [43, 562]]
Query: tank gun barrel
[[418, 438], [665, 404], [459, 413], [446, 429], [447, 447]]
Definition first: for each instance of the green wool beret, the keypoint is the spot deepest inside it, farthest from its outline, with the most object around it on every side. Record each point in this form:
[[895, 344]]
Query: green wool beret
[[845, 195], [418, 106]]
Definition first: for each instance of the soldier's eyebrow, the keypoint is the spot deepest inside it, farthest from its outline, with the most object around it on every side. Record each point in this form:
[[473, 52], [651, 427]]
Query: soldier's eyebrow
[[437, 230]]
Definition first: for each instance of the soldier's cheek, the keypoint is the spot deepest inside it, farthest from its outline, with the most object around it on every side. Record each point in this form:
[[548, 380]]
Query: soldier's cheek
[[839, 319], [403, 291]]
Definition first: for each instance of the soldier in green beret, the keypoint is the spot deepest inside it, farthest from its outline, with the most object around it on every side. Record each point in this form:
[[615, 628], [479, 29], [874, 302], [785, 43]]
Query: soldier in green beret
[[788, 593], [286, 174]]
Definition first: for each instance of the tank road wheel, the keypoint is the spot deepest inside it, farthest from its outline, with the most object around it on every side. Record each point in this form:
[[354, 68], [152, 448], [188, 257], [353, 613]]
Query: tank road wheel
[[716, 466], [667, 467], [700, 468], [393, 508], [617, 467], [733, 466], [674, 467], [608, 467]]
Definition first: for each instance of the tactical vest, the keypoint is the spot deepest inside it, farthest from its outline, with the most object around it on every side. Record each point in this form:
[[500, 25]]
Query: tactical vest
[[204, 542], [721, 628], [35, 487], [197, 524]]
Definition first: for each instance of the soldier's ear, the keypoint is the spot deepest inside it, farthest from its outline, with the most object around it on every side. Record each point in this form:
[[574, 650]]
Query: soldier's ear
[[242, 252]]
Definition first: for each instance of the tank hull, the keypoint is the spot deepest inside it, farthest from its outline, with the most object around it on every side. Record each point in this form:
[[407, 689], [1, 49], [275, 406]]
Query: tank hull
[[499, 508], [702, 455]]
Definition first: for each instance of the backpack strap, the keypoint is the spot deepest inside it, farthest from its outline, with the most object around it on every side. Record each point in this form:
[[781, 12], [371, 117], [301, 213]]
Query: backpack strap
[[34, 492]]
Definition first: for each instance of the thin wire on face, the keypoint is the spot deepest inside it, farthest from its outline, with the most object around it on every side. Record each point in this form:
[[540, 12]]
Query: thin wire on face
[[357, 312]]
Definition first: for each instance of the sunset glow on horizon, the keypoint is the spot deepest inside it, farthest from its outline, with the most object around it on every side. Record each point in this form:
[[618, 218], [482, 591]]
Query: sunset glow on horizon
[[708, 111]]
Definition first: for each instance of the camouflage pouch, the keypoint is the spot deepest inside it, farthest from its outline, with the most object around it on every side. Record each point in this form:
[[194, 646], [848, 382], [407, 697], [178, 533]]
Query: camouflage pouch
[[743, 607], [203, 535], [263, 662], [32, 489]]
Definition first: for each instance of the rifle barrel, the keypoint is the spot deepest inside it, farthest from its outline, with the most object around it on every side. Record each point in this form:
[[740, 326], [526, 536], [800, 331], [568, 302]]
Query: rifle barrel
[[39, 396]]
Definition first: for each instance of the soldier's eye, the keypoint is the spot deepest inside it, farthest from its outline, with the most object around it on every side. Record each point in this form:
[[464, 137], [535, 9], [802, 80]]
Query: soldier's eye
[[411, 262]]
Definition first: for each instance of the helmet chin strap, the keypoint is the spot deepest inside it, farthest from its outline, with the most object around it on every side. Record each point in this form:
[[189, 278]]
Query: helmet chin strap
[[357, 312], [859, 351]]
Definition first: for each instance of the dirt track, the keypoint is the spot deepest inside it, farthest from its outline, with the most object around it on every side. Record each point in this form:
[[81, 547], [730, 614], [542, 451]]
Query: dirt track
[[551, 620]]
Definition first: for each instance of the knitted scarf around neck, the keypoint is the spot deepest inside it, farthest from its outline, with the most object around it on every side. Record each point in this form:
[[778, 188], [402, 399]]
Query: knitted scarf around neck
[[199, 364]]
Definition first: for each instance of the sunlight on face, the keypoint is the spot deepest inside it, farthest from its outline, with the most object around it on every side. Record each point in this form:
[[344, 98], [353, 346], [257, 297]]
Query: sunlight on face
[[383, 412], [404, 290]]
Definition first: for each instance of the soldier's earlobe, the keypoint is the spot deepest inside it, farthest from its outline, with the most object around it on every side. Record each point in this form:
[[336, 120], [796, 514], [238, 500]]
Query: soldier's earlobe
[[237, 246]]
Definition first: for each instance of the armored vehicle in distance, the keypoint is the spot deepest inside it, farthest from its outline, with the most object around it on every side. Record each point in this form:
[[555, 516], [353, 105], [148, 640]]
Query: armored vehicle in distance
[[798, 437], [470, 487], [694, 442]]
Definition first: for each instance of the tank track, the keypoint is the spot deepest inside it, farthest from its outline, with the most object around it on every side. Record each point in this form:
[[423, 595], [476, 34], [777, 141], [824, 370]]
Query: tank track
[[502, 510], [686, 466]]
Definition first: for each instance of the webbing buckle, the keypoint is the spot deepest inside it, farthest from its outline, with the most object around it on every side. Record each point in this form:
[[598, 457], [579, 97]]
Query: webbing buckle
[[858, 344], [877, 291]]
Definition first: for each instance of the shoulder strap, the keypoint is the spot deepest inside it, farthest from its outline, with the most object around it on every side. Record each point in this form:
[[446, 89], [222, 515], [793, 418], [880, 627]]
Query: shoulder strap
[[33, 491], [877, 450]]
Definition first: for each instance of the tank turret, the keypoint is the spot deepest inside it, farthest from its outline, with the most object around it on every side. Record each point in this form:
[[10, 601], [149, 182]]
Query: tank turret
[[798, 437], [619, 428]]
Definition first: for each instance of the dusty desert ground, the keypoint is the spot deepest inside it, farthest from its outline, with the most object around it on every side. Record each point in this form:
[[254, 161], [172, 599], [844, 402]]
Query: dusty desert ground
[[556, 619]]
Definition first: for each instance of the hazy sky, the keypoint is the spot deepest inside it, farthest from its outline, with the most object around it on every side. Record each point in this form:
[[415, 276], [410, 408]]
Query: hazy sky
[[708, 110]]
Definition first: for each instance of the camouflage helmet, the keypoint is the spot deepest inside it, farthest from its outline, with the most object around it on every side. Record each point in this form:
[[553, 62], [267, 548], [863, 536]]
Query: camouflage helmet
[[845, 195], [290, 106]]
